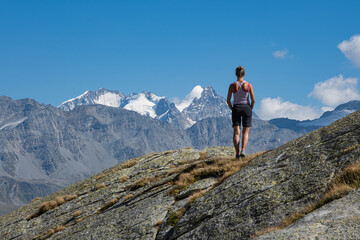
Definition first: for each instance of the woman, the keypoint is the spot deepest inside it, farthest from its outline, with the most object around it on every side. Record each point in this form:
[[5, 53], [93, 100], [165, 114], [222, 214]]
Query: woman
[[241, 109]]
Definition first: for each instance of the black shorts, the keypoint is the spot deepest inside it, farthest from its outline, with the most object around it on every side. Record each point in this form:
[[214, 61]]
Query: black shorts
[[241, 113]]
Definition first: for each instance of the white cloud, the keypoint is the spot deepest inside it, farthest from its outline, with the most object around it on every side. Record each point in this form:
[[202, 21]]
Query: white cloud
[[336, 90], [351, 49], [325, 109], [280, 53], [277, 108]]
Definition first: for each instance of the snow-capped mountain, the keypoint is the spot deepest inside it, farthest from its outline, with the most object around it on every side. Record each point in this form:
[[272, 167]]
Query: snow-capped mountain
[[200, 103], [188, 100], [145, 103], [205, 103], [101, 96]]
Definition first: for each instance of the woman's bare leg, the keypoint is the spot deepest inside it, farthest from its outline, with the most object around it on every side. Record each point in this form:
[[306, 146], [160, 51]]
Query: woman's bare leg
[[236, 138], [245, 137]]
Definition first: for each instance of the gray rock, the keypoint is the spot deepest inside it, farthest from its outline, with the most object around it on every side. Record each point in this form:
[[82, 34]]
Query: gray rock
[[197, 186], [339, 219], [260, 195]]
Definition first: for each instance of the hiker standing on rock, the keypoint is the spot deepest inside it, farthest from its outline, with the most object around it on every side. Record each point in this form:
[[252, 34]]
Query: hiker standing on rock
[[241, 109]]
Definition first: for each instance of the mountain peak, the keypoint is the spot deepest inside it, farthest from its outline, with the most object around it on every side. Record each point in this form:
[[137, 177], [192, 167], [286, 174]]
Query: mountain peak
[[101, 96], [195, 93]]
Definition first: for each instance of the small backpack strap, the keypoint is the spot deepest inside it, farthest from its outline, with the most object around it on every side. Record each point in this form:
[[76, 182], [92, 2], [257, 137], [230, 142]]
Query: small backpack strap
[[248, 87]]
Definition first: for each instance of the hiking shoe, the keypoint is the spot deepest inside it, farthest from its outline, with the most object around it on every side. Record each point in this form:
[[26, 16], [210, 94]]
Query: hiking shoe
[[242, 154], [238, 155]]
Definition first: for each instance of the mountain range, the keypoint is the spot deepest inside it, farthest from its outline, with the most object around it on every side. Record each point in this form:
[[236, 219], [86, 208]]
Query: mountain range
[[199, 104], [43, 148], [308, 188]]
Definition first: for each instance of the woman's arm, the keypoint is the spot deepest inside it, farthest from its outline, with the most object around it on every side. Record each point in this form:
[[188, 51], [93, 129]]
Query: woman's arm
[[229, 96], [252, 96]]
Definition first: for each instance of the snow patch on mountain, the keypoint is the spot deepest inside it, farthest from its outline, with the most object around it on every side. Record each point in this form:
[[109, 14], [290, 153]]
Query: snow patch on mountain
[[109, 99], [12, 124], [143, 103], [77, 98], [195, 93]]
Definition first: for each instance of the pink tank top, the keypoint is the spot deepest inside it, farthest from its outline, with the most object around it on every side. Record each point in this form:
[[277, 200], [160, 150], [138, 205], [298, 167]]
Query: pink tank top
[[241, 97]]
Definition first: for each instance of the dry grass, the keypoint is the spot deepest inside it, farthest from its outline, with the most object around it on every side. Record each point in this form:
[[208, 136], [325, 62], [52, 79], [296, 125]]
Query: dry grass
[[77, 213], [158, 224], [141, 183], [128, 164], [108, 204], [177, 170], [351, 148], [99, 177], [36, 199], [79, 220], [203, 156], [220, 168], [70, 197], [346, 181], [122, 179], [195, 196], [185, 179], [46, 206], [128, 197], [50, 232], [60, 200], [99, 186]]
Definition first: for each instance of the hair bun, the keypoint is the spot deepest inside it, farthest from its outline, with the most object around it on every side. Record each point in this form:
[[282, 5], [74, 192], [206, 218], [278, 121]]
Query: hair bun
[[240, 71]]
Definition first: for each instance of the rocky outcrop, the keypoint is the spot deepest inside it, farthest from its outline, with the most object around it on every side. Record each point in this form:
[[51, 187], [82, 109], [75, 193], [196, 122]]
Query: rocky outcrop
[[273, 186], [337, 220], [192, 194]]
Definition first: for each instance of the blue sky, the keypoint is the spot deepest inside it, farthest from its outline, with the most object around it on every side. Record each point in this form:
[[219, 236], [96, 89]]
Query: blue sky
[[302, 57]]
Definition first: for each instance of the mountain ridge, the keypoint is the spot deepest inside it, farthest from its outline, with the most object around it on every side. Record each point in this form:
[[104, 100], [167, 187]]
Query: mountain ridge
[[41, 144], [154, 197], [326, 118], [198, 104]]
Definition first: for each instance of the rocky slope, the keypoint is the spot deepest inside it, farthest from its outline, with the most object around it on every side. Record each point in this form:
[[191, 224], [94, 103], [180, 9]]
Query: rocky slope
[[337, 220], [192, 194], [43, 149]]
